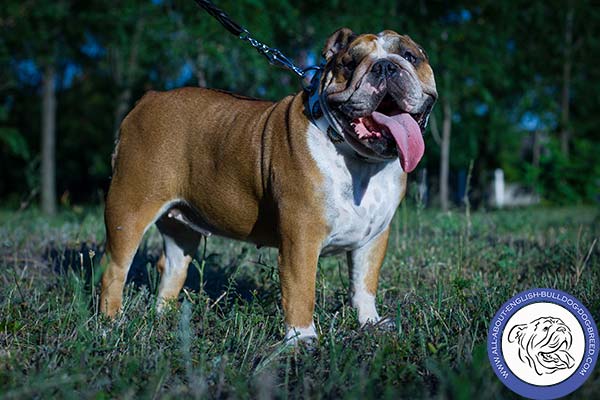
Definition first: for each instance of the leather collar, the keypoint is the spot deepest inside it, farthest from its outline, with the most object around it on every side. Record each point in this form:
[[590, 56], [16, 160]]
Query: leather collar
[[320, 115]]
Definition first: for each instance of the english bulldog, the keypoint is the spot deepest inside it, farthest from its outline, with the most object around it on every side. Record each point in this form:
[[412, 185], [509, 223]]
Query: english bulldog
[[544, 344], [318, 173]]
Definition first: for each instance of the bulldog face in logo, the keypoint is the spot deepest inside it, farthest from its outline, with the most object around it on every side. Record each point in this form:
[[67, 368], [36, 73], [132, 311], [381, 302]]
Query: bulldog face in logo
[[544, 344], [380, 90]]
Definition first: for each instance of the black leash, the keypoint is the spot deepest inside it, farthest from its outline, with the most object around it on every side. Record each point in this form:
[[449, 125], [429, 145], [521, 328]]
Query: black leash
[[273, 55]]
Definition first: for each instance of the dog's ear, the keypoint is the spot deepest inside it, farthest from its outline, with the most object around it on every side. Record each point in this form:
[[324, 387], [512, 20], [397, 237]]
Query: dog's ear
[[516, 333], [337, 41]]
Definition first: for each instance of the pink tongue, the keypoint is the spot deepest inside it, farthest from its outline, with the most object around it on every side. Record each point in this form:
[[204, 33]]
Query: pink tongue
[[408, 137]]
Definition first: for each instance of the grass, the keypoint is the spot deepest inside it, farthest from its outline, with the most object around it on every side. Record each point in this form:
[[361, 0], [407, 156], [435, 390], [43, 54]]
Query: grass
[[444, 277]]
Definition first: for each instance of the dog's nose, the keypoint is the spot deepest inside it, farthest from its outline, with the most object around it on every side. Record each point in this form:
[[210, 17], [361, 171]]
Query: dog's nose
[[385, 68]]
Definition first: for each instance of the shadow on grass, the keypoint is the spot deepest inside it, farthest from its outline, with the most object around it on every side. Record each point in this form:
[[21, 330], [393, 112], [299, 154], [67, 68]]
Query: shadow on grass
[[218, 277]]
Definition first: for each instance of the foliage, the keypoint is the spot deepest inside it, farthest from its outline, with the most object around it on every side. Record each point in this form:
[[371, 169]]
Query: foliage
[[498, 63], [15, 144]]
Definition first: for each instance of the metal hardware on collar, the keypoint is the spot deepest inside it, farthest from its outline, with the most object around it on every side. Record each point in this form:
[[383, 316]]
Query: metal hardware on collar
[[334, 136], [273, 55]]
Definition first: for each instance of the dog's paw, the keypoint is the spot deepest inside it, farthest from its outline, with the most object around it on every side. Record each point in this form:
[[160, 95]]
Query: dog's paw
[[309, 344], [306, 337]]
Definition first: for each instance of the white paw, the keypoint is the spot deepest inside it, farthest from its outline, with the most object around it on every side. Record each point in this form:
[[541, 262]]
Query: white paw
[[163, 305], [295, 334], [160, 305], [364, 303]]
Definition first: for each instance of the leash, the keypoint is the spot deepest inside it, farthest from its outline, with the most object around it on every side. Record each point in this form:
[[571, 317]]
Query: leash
[[273, 55]]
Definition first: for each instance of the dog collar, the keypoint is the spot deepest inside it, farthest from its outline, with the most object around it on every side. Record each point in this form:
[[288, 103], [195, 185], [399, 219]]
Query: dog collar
[[320, 115], [319, 112]]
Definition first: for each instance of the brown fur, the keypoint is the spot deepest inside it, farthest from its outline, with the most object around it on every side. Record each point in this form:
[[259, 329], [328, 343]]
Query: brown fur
[[242, 165]]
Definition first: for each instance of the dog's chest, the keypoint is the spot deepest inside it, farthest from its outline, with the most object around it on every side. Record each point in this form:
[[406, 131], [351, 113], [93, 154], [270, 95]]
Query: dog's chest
[[360, 197]]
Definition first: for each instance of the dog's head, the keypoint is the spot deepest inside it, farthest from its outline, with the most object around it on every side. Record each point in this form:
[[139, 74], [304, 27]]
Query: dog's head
[[544, 344], [380, 90]]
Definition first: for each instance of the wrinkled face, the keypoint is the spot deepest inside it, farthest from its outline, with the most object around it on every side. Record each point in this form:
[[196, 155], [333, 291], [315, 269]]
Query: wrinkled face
[[380, 89], [544, 343]]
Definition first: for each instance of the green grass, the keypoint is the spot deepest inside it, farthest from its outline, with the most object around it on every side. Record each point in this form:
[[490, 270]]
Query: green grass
[[444, 277]]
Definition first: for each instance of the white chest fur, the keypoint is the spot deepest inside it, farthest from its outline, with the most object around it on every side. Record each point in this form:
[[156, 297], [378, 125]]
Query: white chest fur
[[360, 197]]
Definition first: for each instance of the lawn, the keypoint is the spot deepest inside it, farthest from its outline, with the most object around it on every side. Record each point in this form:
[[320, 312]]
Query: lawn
[[444, 277]]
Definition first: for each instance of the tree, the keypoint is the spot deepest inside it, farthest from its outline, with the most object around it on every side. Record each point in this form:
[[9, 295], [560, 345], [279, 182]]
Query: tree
[[44, 36], [48, 139], [444, 142], [565, 129]]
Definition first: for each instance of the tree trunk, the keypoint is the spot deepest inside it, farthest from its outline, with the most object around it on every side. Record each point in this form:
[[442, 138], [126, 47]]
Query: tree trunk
[[125, 77], [200, 65], [48, 166], [121, 110], [565, 131], [445, 153]]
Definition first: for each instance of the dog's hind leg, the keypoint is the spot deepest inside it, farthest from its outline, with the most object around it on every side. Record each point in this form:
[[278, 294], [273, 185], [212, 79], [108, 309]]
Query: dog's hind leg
[[180, 245], [127, 216]]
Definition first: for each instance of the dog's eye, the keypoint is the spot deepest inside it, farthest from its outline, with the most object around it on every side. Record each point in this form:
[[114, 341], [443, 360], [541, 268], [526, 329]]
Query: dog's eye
[[546, 329], [410, 57]]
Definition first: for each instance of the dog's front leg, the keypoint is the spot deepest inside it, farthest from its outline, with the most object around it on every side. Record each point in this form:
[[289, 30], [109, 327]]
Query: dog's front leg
[[364, 264], [298, 257]]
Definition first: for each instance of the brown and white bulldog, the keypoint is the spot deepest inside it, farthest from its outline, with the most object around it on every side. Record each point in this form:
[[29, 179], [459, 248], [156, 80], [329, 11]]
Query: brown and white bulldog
[[314, 174]]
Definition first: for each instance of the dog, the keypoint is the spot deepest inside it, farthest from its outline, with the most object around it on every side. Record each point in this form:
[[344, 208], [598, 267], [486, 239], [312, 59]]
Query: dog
[[544, 344], [318, 173]]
